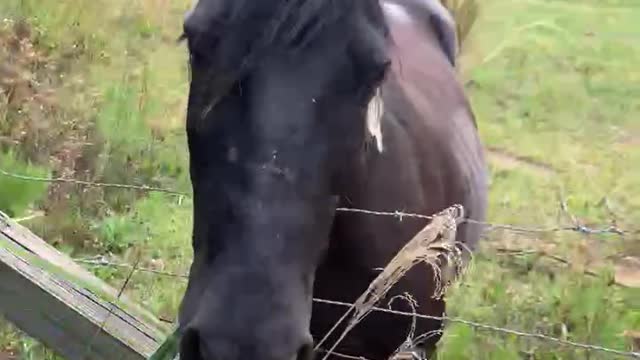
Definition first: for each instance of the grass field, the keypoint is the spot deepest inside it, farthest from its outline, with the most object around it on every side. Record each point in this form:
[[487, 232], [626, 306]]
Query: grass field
[[96, 89]]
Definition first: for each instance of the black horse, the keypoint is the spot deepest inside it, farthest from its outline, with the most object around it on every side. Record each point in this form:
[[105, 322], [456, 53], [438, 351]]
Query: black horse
[[297, 108]]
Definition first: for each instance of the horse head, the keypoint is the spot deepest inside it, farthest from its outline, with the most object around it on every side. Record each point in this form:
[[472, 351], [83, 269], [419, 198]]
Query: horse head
[[284, 103], [276, 117]]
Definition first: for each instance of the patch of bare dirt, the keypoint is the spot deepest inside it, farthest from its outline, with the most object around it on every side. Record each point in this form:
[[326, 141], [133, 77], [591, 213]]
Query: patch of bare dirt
[[504, 159], [634, 338], [8, 355], [627, 271]]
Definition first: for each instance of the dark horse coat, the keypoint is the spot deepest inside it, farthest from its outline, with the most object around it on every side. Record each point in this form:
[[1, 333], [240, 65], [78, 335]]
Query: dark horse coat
[[432, 158], [279, 137]]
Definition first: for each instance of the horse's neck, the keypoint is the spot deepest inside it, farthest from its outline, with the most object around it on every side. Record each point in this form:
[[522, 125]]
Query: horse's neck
[[430, 16]]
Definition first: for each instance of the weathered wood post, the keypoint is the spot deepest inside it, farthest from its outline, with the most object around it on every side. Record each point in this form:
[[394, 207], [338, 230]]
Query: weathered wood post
[[51, 298]]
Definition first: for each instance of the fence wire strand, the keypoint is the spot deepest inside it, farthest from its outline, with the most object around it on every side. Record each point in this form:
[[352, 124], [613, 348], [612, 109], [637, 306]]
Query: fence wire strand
[[97, 261], [514, 228], [400, 215], [493, 328], [92, 184], [133, 270], [576, 227]]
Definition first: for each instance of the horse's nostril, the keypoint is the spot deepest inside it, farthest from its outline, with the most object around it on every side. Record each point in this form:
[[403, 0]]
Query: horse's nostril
[[188, 31], [305, 352], [190, 345]]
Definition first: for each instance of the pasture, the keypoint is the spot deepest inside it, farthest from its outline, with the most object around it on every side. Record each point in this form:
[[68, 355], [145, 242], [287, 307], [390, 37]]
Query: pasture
[[96, 91]]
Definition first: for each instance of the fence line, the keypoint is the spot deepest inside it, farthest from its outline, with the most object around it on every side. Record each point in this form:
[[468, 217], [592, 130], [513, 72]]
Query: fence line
[[493, 328], [514, 228], [576, 227], [92, 184], [113, 305], [100, 261]]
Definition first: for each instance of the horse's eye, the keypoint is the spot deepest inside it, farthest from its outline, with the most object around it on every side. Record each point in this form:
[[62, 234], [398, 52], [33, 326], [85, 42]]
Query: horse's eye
[[378, 71], [201, 49]]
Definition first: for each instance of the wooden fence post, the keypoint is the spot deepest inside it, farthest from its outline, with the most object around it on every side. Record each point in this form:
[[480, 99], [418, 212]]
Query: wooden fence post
[[51, 298]]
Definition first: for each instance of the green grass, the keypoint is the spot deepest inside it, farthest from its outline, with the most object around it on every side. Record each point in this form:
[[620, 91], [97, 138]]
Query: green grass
[[554, 82], [544, 90], [15, 195]]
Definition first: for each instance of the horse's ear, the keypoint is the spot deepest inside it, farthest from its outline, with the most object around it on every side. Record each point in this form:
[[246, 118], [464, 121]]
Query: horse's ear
[[444, 25], [369, 48]]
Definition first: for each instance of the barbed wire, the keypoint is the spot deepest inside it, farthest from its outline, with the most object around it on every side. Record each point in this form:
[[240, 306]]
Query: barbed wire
[[477, 325], [400, 215], [112, 306], [101, 261], [342, 355], [146, 188], [515, 228]]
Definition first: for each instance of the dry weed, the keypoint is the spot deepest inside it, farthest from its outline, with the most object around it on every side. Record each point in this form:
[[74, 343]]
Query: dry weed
[[434, 245], [465, 13]]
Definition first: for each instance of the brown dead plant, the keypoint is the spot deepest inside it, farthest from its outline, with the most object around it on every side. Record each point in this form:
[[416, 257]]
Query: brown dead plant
[[465, 13], [435, 246]]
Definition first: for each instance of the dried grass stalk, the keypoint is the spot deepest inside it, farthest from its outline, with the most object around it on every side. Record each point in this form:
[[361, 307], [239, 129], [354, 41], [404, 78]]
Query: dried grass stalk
[[434, 245], [465, 13]]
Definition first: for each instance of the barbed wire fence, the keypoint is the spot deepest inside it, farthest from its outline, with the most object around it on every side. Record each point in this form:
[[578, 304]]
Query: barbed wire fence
[[576, 227], [101, 261]]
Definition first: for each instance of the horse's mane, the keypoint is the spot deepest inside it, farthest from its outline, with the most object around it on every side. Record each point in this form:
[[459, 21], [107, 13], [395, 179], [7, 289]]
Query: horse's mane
[[246, 30], [293, 24]]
